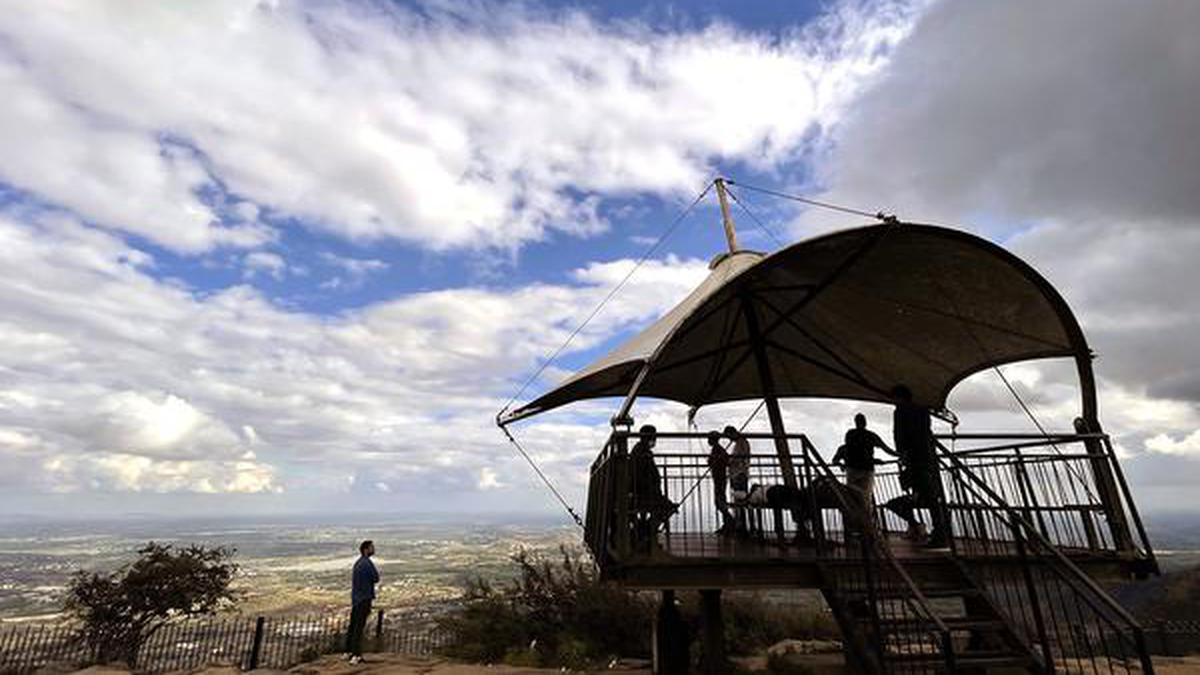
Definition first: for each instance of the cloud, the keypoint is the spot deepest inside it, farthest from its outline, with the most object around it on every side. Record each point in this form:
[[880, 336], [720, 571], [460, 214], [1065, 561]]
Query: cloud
[[263, 262], [354, 271], [113, 380], [1188, 445], [1070, 132], [447, 126]]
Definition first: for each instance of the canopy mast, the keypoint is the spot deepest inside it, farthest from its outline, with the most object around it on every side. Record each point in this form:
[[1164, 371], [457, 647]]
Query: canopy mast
[[726, 218], [760, 351]]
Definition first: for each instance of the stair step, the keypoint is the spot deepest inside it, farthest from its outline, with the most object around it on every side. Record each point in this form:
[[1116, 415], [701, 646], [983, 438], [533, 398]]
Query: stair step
[[951, 622], [931, 592], [972, 659]]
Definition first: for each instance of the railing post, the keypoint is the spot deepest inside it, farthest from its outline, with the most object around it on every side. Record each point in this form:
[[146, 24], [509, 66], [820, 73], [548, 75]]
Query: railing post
[[872, 598], [621, 469], [1030, 504], [379, 630], [1035, 604], [817, 520], [256, 649], [1139, 639], [1103, 461]]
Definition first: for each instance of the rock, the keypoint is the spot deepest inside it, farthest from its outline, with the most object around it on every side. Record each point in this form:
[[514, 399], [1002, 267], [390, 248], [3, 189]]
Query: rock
[[786, 648]]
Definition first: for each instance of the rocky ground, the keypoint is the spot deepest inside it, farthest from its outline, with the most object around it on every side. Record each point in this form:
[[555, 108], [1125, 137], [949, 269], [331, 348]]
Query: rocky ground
[[391, 664]]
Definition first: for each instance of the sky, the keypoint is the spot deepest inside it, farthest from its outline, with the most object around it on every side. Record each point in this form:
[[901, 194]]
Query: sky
[[274, 257]]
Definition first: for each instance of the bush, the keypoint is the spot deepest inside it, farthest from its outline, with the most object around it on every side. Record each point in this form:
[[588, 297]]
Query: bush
[[119, 611], [556, 611], [753, 624]]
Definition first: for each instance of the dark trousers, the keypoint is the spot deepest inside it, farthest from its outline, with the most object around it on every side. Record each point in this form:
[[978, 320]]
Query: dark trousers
[[925, 484], [358, 625]]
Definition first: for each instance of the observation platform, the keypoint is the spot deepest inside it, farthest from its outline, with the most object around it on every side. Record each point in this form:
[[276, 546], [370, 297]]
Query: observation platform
[[1047, 482]]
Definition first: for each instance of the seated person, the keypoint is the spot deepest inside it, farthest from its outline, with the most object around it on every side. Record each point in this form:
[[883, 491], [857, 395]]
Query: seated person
[[804, 503], [651, 507]]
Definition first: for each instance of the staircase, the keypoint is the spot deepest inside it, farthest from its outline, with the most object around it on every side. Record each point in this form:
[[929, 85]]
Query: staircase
[[1005, 601]]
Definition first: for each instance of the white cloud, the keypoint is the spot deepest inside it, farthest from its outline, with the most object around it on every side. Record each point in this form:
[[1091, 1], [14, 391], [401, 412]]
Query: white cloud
[[453, 126], [263, 262], [353, 271], [488, 479], [113, 380], [1187, 445], [1068, 131]]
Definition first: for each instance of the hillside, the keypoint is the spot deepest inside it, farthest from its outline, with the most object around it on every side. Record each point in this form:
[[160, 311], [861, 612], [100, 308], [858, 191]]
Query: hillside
[[1174, 596]]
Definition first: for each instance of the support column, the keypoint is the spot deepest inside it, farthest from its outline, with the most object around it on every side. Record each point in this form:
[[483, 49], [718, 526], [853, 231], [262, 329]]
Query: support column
[[671, 648], [772, 402], [1106, 484], [713, 631]]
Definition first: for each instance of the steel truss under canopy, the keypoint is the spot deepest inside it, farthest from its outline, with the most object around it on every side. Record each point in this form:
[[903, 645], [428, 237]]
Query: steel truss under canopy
[[850, 314]]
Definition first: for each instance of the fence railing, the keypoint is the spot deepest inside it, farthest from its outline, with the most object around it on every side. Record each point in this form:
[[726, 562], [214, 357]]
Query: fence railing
[[245, 642], [1049, 601], [892, 613], [1068, 485]]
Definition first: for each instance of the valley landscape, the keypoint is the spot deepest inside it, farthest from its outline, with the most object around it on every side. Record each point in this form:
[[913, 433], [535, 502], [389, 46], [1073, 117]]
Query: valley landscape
[[287, 565]]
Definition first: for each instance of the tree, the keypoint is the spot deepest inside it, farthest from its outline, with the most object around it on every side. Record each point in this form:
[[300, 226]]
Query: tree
[[119, 611]]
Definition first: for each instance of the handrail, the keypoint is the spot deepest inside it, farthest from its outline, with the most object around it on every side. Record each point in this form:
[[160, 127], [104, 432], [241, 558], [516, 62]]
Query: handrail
[[884, 553], [1034, 534], [1065, 569]]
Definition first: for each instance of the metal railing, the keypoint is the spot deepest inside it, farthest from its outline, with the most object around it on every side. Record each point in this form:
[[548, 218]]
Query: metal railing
[[870, 583], [1053, 481], [246, 642], [1070, 486], [1049, 602]]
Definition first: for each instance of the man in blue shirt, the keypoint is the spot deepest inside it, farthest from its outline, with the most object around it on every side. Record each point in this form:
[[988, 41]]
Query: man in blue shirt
[[362, 592]]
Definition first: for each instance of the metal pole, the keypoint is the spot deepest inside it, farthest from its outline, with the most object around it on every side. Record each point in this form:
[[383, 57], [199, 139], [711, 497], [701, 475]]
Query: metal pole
[[379, 630], [256, 649], [726, 218], [714, 632], [1101, 470], [772, 402]]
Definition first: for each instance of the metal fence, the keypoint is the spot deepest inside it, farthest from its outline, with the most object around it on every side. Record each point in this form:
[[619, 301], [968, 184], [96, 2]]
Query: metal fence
[[246, 642]]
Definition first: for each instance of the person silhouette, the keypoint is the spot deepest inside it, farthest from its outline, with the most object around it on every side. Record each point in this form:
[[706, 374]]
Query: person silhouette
[[651, 507], [362, 593], [718, 467], [857, 455], [919, 470]]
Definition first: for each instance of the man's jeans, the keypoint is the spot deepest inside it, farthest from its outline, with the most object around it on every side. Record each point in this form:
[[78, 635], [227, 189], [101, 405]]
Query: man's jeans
[[358, 625]]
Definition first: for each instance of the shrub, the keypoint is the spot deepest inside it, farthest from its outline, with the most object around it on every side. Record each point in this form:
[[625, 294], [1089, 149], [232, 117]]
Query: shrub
[[557, 609], [119, 611]]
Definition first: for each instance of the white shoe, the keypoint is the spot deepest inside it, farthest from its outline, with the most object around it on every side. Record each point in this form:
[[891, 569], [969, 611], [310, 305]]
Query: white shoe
[[355, 660]]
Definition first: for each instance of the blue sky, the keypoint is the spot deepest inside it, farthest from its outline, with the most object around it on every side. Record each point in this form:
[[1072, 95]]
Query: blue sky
[[294, 255]]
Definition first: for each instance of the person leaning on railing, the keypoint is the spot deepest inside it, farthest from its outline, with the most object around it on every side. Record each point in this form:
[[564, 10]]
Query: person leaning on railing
[[857, 455], [718, 468]]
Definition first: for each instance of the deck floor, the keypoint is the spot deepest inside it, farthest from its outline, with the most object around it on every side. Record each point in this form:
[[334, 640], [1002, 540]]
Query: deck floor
[[727, 547], [700, 546]]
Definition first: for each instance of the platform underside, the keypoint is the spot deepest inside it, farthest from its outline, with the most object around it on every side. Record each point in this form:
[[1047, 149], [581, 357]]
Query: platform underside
[[710, 560]]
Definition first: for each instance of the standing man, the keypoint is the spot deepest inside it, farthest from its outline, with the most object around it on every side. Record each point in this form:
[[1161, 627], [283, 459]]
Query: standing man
[[718, 466], [919, 471], [362, 592], [739, 473], [857, 454]]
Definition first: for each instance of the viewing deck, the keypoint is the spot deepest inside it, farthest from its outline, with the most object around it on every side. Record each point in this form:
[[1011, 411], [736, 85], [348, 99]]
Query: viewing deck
[[1047, 481]]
